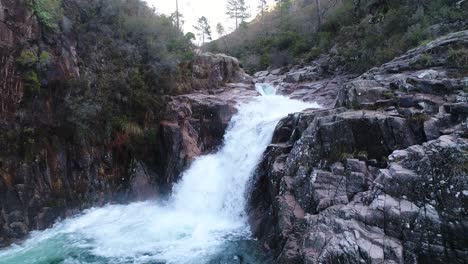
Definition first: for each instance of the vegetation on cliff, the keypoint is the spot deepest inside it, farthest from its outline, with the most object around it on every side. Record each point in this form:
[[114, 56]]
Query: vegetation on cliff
[[358, 34], [84, 84], [127, 58]]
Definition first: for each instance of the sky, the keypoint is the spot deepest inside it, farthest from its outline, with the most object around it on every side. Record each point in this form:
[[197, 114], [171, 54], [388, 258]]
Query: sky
[[213, 10]]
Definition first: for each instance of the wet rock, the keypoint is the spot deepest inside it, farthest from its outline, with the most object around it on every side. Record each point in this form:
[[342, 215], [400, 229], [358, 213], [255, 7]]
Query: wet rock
[[46, 217], [142, 182], [195, 124]]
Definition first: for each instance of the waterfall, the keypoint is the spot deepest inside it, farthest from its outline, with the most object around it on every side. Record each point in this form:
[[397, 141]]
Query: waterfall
[[203, 216], [265, 89]]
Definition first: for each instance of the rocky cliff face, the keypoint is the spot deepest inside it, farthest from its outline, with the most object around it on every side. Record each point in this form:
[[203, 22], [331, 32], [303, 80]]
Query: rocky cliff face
[[59, 154], [381, 175], [194, 124]]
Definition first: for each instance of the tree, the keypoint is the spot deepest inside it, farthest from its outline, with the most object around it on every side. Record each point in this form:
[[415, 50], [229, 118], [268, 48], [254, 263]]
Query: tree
[[284, 5], [177, 15], [204, 29], [177, 20], [220, 30], [190, 36], [237, 10], [319, 14]]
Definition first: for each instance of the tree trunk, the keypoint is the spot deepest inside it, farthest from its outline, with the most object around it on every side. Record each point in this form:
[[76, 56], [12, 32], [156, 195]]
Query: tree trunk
[[177, 14], [319, 15], [237, 16]]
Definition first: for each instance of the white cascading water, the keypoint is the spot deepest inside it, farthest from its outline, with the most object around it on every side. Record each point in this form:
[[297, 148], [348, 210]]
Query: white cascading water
[[205, 213]]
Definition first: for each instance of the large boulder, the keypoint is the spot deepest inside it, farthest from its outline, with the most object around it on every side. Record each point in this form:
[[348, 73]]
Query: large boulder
[[211, 71]]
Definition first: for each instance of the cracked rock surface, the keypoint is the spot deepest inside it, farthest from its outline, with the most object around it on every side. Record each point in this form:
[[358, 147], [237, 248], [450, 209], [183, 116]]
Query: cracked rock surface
[[381, 176]]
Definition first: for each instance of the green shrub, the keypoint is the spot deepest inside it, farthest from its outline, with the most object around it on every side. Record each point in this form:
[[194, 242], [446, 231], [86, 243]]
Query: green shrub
[[264, 61], [286, 40], [32, 83], [419, 118], [49, 12], [300, 47], [355, 104], [45, 58], [27, 59], [416, 34], [458, 58], [389, 95], [425, 61]]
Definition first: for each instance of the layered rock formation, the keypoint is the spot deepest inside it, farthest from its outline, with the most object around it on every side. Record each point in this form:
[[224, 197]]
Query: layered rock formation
[[379, 177]]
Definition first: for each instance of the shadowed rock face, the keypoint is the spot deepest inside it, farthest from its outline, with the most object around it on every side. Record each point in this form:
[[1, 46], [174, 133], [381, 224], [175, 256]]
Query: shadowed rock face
[[380, 178], [194, 124]]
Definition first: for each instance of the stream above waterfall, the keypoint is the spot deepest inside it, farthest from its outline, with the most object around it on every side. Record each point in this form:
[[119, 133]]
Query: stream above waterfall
[[204, 221]]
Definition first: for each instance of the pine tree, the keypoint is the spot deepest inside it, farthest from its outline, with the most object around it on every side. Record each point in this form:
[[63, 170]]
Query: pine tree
[[284, 6], [237, 10], [177, 20], [220, 30], [204, 29]]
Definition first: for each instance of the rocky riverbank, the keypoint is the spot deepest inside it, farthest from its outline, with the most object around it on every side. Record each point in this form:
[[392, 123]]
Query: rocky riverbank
[[380, 175]]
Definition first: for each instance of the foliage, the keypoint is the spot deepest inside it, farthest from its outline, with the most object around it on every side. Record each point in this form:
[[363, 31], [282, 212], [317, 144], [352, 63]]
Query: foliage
[[45, 57], [49, 12], [425, 60], [26, 59], [141, 52], [237, 10], [362, 34], [31, 83], [220, 29], [32, 67], [204, 29], [458, 58]]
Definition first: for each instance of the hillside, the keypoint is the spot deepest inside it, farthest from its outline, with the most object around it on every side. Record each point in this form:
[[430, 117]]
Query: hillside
[[358, 35]]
